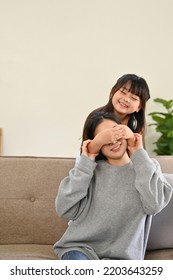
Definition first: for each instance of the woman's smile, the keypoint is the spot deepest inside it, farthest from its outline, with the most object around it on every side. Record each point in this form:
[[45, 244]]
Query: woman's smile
[[116, 147]]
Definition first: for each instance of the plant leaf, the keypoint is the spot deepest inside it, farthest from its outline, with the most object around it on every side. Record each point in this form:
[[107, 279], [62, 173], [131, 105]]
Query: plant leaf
[[164, 126], [166, 103]]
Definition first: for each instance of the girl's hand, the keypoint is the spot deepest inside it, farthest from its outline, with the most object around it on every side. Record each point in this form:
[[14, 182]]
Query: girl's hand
[[85, 151], [138, 144], [123, 131]]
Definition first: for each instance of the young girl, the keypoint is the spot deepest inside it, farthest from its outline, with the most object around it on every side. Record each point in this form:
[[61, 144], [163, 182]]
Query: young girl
[[109, 198], [127, 101]]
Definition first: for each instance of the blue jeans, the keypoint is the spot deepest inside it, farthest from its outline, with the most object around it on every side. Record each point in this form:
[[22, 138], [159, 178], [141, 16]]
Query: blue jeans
[[74, 255]]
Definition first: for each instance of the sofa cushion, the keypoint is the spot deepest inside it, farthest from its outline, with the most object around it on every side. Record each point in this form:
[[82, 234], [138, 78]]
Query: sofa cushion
[[161, 233], [27, 252], [162, 254]]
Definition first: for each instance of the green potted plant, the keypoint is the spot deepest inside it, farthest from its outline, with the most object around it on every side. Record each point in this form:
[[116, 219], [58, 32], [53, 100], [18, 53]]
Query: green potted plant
[[164, 125]]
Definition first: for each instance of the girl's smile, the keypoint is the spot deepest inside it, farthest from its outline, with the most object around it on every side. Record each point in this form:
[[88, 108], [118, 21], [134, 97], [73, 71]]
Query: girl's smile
[[124, 103]]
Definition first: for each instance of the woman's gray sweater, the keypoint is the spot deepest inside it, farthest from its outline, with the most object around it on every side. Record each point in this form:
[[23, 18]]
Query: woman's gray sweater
[[110, 207]]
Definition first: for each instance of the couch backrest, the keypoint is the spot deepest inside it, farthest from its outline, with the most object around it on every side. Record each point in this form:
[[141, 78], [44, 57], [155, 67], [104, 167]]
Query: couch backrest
[[161, 233], [28, 187], [166, 163]]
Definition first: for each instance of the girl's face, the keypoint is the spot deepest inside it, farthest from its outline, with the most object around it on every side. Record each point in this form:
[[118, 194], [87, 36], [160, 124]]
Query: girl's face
[[114, 151], [125, 102]]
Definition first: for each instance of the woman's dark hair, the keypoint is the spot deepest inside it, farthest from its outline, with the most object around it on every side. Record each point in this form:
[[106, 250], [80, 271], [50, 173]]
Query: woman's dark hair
[[139, 87], [92, 124]]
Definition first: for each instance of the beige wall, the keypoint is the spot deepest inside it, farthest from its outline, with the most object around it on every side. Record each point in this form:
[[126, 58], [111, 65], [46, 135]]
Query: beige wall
[[60, 58]]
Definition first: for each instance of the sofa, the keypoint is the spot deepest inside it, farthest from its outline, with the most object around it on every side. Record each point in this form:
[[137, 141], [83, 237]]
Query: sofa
[[29, 225]]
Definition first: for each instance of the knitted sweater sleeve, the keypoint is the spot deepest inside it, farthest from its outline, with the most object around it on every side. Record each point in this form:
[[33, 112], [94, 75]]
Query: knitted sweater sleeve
[[73, 190], [155, 192]]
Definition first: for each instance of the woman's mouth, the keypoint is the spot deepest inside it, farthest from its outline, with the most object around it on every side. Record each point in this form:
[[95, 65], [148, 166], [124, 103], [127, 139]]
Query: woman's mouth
[[116, 147]]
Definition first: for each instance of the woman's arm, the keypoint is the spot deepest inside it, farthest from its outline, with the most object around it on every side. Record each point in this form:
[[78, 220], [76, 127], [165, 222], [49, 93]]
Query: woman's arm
[[73, 190], [155, 192]]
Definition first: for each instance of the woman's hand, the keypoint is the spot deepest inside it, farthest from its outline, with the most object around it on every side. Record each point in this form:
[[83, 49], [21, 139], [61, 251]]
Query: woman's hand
[[85, 151], [138, 144]]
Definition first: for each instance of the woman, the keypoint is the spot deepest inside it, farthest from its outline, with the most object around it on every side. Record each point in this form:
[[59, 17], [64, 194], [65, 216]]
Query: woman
[[110, 198]]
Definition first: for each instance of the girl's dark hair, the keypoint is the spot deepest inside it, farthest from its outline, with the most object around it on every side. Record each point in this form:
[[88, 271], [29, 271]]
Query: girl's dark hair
[[139, 87], [93, 122]]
